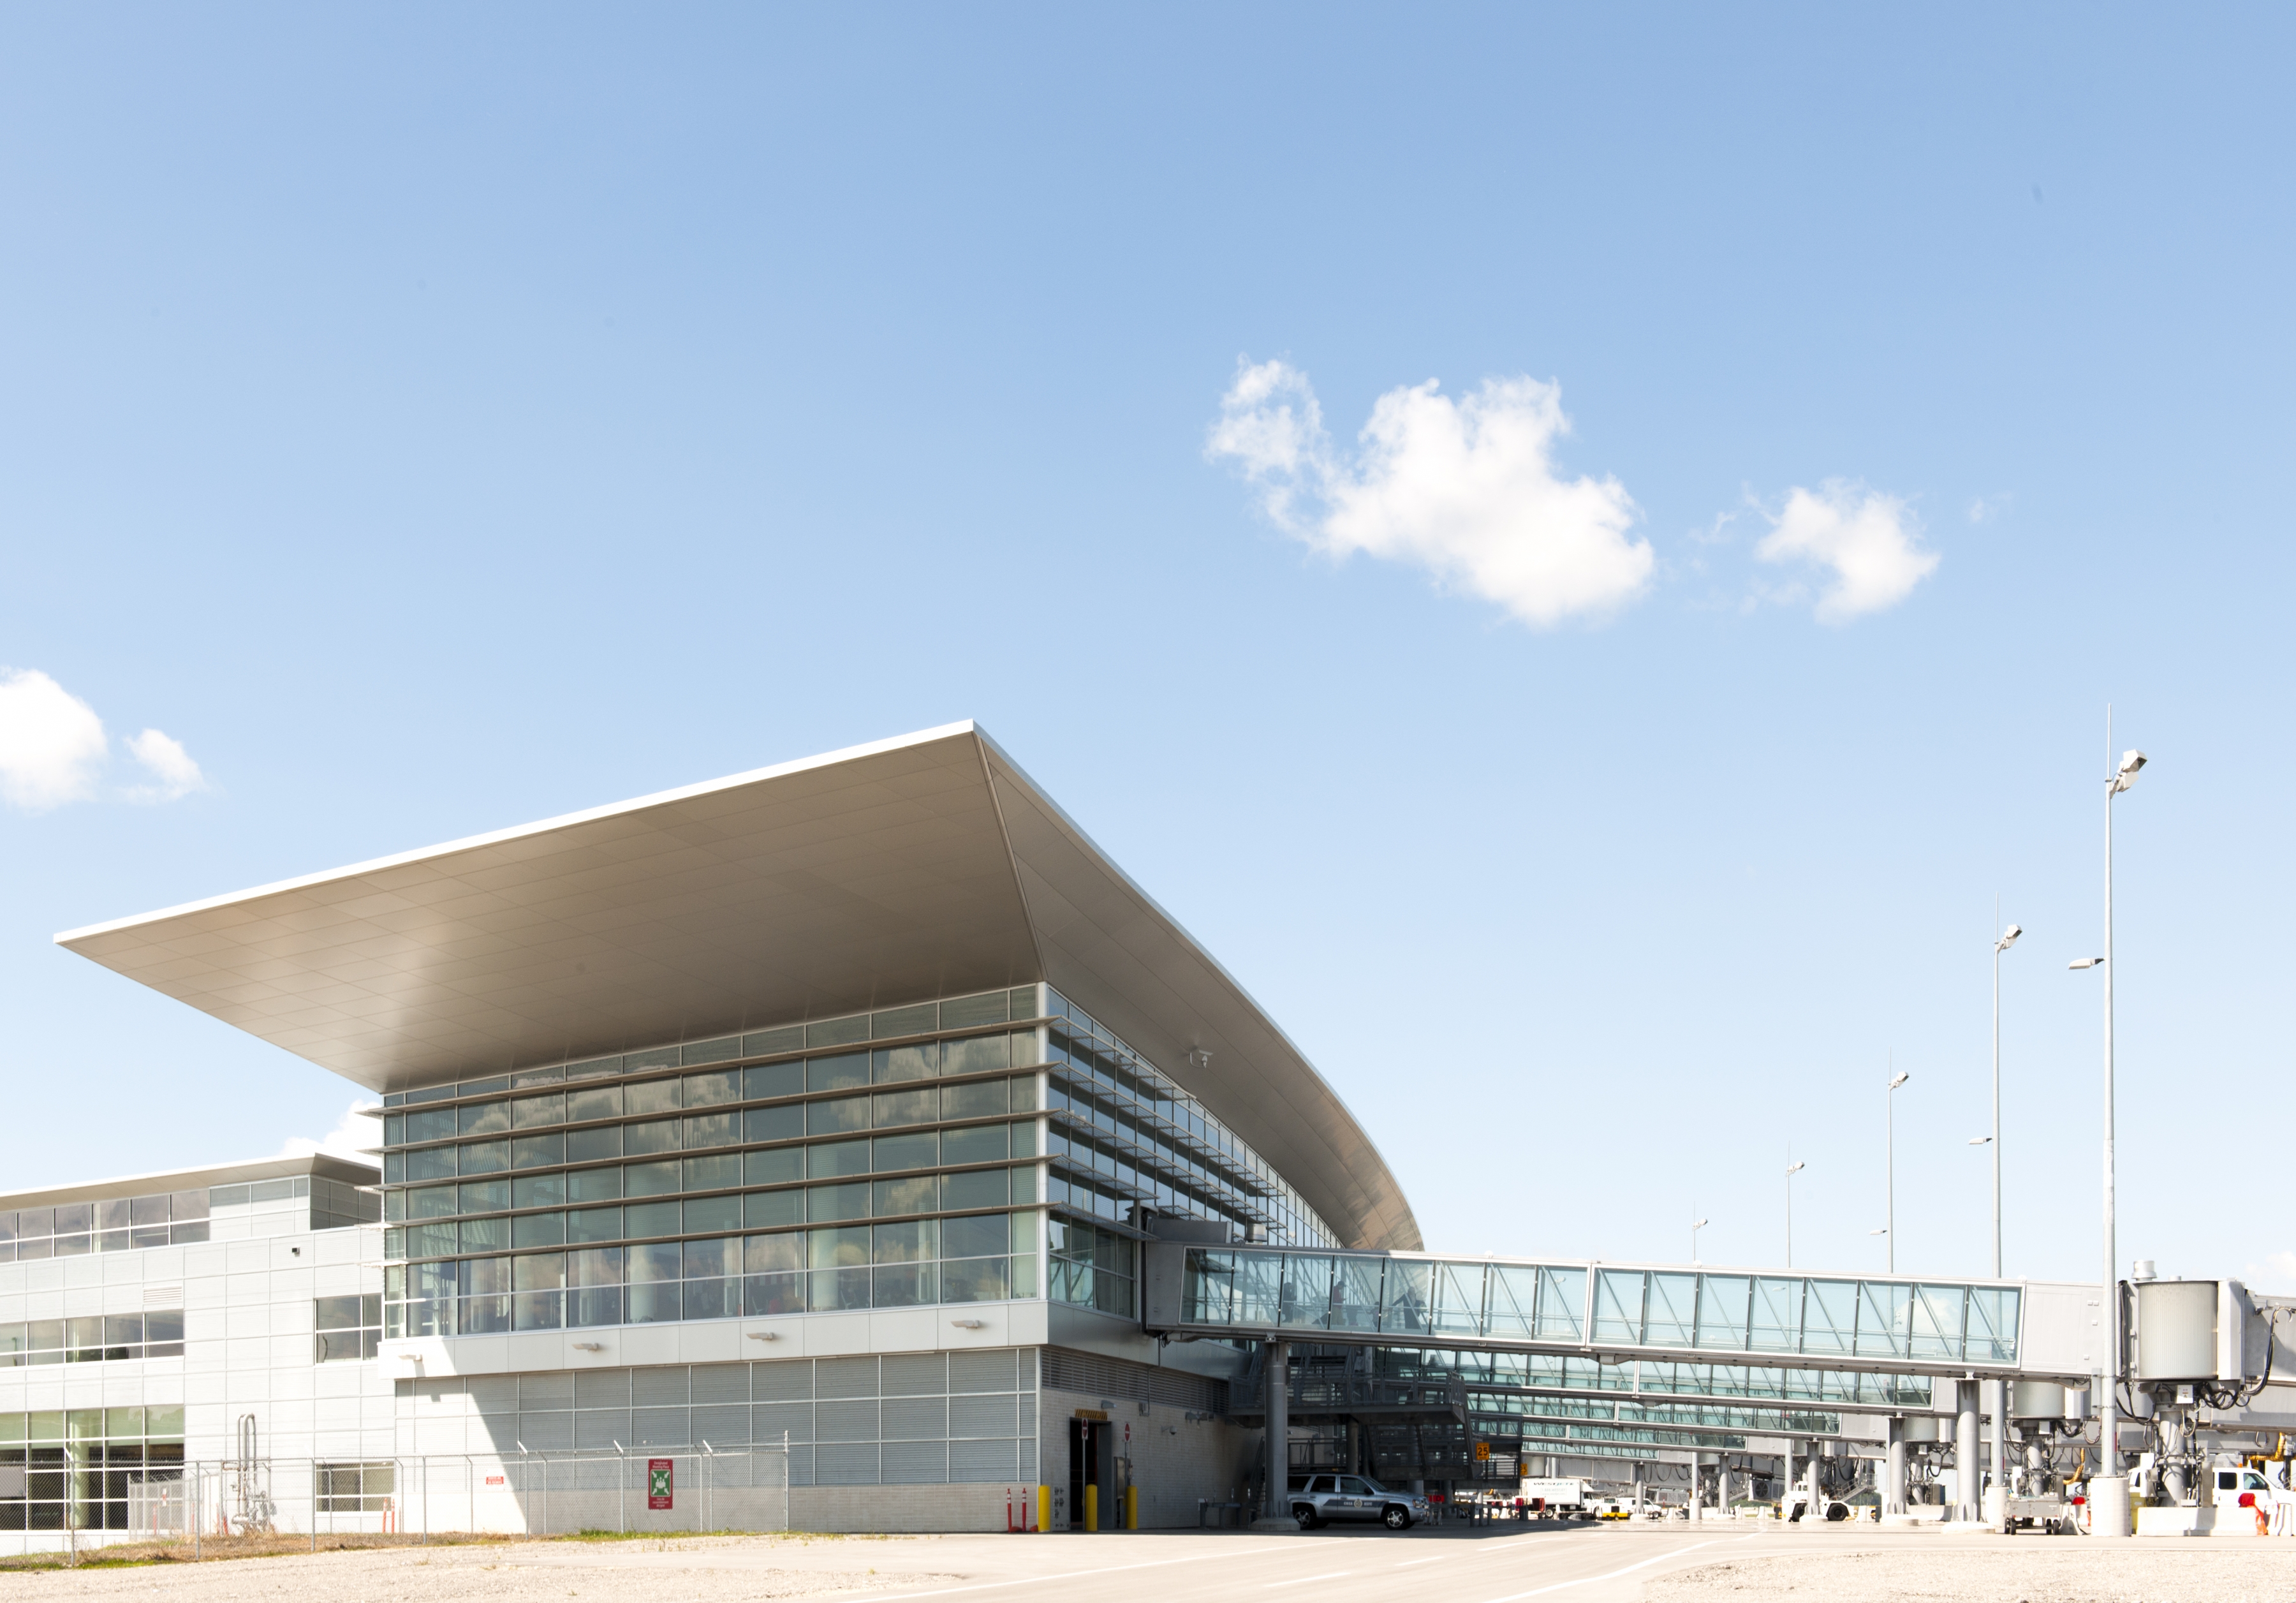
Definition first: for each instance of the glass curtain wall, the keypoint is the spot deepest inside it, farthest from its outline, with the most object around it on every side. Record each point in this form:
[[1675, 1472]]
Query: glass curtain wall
[[885, 1160], [1123, 1132], [850, 1163]]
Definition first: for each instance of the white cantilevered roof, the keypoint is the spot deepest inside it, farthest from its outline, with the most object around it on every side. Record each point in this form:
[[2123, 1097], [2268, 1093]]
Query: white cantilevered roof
[[920, 866]]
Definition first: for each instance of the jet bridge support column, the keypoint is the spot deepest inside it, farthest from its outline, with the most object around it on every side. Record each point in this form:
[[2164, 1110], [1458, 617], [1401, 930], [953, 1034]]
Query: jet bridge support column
[[1968, 1474], [1996, 1500], [1893, 1485], [1278, 1370]]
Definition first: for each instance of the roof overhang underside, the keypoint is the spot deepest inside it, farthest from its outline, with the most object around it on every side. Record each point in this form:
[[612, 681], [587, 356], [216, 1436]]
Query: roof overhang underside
[[922, 867]]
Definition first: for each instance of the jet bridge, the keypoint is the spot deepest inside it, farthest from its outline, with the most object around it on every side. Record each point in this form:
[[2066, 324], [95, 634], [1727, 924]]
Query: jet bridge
[[1611, 1359], [1902, 1326], [1899, 1326]]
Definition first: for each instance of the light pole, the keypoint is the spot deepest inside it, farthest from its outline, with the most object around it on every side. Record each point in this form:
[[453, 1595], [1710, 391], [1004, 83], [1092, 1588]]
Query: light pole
[[2109, 1323], [1996, 1392], [1792, 1168], [1693, 1239], [2000, 1388], [1889, 1224], [2008, 939]]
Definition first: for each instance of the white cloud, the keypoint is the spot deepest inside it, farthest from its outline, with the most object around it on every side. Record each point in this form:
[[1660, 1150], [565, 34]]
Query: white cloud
[[53, 749], [1467, 490], [2278, 1269], [352, 1131], [170, 765], [1871, 541], [51, 743]]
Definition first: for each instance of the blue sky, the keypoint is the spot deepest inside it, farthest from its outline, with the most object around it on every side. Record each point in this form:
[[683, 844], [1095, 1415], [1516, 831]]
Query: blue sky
[[431, 419]]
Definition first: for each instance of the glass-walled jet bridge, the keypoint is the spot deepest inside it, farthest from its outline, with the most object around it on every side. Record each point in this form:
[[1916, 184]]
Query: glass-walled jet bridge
[[1619, 1313]]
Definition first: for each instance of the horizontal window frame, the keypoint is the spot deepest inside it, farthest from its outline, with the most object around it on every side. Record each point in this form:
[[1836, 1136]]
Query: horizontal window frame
[[683, 1236], [655, 1071], [979, 1077]]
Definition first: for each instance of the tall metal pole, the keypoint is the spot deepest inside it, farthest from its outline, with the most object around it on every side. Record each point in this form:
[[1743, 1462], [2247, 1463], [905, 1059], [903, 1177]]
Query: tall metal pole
[[1889, 1222], [2000, 1388], [1792, 1168], [2110, 1305], [1996, 1090]]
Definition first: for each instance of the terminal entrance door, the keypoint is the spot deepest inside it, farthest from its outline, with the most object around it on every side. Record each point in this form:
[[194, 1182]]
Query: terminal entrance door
[[1092, 1464]]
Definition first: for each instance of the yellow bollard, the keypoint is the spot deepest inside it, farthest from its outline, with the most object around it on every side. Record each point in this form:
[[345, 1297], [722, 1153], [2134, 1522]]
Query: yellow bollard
[[1092, 1507], [1132, 1507], [1044, 1510]]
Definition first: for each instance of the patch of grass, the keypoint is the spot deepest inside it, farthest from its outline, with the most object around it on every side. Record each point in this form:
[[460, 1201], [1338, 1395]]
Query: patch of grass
[[140, 1554], [212, 1549], [605, 1535]]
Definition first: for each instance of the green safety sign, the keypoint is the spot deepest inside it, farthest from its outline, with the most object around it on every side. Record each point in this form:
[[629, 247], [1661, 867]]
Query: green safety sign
[[660, 1479]]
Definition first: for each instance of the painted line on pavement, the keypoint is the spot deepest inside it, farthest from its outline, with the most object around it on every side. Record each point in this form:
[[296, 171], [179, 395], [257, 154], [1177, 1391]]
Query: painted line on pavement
[[1113, 1569], [1537, 1591], [1303, 1579], [1484, 1549]]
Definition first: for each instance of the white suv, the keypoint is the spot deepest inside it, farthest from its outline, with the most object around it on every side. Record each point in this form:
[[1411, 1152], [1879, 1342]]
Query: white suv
[[1329, 1497]]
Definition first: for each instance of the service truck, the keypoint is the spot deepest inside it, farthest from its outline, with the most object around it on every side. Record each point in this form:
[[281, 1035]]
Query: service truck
[[1559, 1497]]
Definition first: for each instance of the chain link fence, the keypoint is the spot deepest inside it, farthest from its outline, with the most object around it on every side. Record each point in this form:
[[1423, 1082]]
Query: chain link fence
[[553, 1493]]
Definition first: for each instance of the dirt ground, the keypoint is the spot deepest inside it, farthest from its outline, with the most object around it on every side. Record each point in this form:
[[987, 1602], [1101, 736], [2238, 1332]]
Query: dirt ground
[[2035, 1571], [500, 1571]]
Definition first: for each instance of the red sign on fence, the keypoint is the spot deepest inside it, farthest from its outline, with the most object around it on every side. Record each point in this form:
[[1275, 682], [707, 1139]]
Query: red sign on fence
[[659, 1483]]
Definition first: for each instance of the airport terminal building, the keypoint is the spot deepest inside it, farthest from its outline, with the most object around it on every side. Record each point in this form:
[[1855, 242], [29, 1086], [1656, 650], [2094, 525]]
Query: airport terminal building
[[851, 1144], [831, 1105]]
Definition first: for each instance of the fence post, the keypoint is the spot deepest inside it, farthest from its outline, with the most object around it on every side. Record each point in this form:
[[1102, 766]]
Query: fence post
[[785, 1481]]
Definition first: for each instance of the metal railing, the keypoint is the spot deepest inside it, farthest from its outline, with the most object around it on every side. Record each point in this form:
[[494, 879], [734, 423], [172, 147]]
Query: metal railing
[[412, 1496]]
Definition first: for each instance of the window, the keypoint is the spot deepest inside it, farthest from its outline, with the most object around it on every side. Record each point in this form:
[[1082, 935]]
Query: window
[[1092, 1267], [356, 1488], [116, 1224], [154, 1333], [347, 1328], [115, 1447]]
